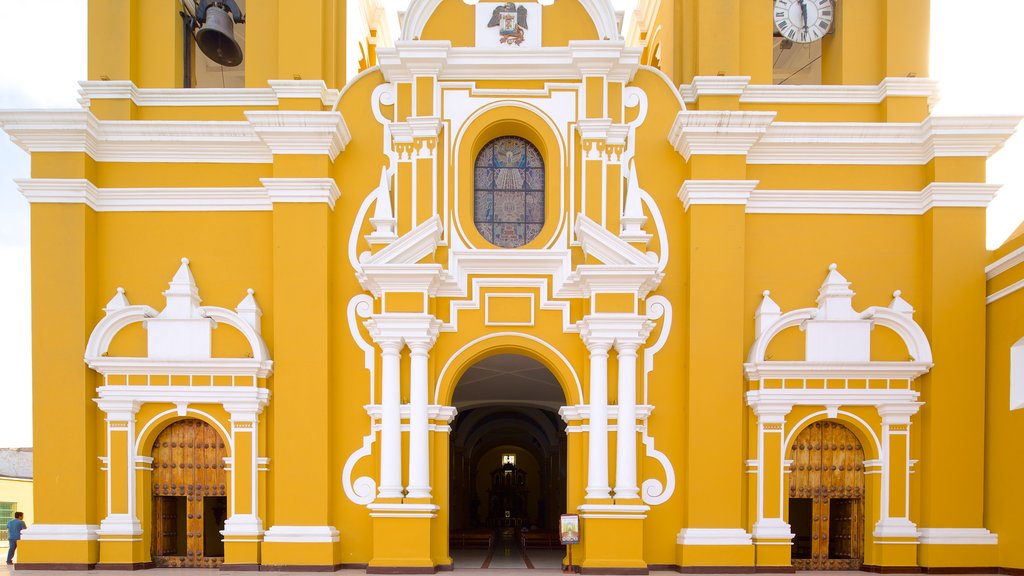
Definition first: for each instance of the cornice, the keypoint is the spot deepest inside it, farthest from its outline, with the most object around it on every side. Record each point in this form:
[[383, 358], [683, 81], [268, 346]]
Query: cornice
[[808, 94], [308, 190], [438, 58], [835, 397], [716, 192], [250, 397], [1005, 263], [193, 97], [308, 89], [208, 367], [80, 191], [800, 370], [893, 202], [882, 143], [718, 132], [301, 132], [136, 140]]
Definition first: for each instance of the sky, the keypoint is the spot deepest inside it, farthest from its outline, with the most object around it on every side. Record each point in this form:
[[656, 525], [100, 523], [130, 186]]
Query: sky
[[44, 49]]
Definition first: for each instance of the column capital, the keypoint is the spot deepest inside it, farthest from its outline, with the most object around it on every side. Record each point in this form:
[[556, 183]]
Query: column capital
[[771, 413], [608, 329], [118, 409], [416, 330], [246, 410], [898, 413]]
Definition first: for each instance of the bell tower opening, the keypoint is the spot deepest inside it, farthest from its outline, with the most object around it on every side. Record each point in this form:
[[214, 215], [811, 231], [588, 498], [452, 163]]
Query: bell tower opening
[[508, 465]]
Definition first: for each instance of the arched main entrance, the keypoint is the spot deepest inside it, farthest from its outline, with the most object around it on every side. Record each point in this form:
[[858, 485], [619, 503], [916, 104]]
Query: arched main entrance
[[826, 498], [189, 491], [508, 465]]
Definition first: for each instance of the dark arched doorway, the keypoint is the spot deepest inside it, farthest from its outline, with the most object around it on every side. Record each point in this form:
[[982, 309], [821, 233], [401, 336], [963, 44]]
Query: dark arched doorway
[[826, 498], [508, 465], [189, 496]]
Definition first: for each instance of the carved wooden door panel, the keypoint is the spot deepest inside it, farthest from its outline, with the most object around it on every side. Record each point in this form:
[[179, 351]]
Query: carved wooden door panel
[[826, 498], [189, 481]]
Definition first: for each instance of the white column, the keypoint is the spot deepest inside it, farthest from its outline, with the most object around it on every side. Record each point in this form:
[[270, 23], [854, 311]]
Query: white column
[[122, 516], [894, 517], [419, 440], [625, 447], [771, 472], [244, 519], [597, 466], [391, 420]]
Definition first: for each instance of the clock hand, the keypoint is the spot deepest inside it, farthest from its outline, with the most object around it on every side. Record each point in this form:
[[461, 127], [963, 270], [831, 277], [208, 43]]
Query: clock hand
[[803, 12]]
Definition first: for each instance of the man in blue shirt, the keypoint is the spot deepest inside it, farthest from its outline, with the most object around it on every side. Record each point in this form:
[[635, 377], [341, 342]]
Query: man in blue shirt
[[14, 528]]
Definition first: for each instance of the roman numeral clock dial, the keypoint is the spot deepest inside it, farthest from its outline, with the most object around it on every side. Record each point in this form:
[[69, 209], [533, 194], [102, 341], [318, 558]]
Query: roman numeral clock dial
[[804, 21]]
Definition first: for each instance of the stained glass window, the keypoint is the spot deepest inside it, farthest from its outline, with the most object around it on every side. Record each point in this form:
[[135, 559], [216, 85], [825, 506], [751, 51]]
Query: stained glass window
[[508, 192]]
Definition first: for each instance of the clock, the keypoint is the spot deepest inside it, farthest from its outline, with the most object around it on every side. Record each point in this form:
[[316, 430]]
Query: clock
[[803, 21]]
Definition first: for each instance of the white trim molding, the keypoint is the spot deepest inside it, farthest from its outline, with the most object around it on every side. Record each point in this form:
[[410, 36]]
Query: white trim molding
[[301, 534], [1005, 263], [882, 143], [809, 94], [198, 199], [137, 140], [311, 190], [438, 58], [909, 203], [718, 132], [385, 510], [66, 532], [714, 537], [958, 536], [90, 90], [301, 132], [716, 192]]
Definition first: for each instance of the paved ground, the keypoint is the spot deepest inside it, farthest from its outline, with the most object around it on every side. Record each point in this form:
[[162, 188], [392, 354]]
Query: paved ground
[[493, 571]]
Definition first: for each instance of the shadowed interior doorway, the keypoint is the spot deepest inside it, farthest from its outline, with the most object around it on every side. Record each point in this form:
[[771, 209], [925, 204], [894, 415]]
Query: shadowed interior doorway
[[508, 465]]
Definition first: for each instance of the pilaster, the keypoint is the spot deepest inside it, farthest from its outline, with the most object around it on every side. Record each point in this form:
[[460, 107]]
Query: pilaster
[[64, 425], [772, 535], [243, 530], [715, 200], [120, 533], [299, 533], [954, 390]]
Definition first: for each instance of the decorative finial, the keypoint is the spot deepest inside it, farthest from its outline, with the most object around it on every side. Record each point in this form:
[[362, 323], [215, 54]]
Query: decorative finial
[[251, 291], [766, 293], [897, 293], [832, 267], [184, 260], [120, 290]]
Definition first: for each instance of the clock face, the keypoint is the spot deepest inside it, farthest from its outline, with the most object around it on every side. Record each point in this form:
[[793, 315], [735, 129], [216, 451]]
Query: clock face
[[803, 21]]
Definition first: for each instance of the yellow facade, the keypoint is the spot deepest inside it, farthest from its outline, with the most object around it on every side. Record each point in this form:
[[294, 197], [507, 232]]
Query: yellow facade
[[690, 208]]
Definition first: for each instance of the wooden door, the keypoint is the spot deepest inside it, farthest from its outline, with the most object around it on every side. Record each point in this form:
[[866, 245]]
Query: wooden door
[[826, 498], [188, 466]]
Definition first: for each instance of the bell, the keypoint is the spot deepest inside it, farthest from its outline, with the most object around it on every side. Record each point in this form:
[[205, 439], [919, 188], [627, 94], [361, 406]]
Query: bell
[[217, 37]]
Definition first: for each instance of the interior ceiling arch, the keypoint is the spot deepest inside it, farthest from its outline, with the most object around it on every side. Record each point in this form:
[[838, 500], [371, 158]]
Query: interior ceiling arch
[[508, 380]]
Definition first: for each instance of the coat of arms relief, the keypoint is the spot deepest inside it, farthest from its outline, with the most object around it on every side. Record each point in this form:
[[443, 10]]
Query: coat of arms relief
[[511, 23]]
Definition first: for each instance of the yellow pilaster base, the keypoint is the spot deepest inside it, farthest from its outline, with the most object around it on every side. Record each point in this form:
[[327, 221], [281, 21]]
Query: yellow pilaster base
[[612, 536], [286, 555], [703, 549], [958, 555], [774, 555], [895, 554], [121, 552], [401, 539], [241, 554], [68, 554]]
